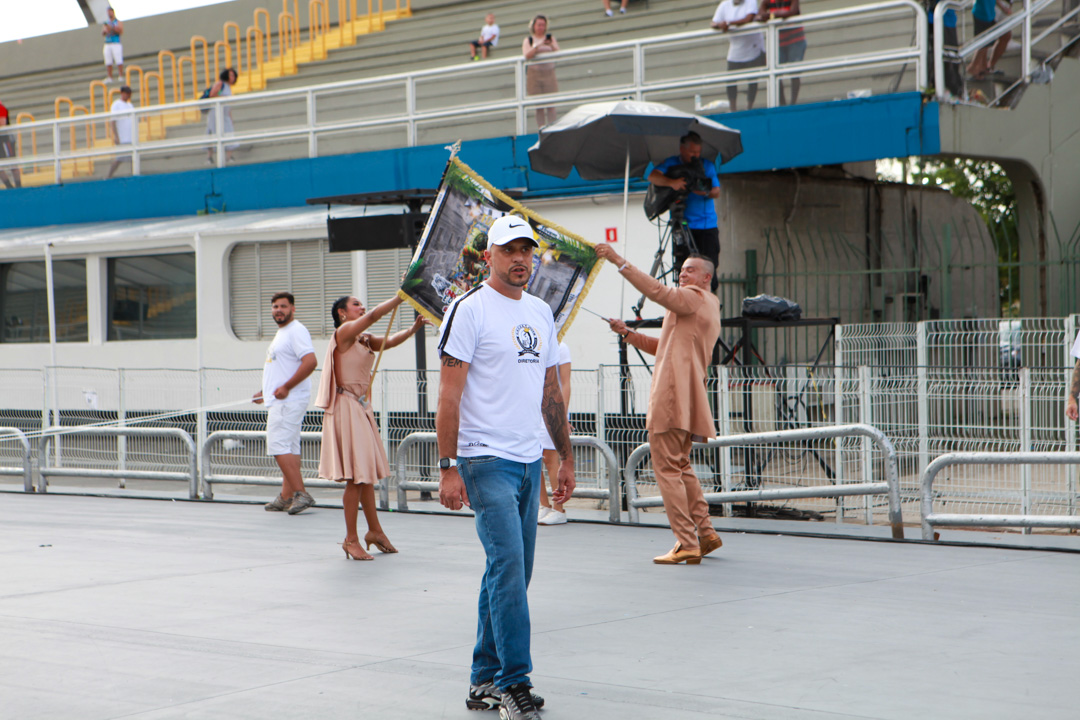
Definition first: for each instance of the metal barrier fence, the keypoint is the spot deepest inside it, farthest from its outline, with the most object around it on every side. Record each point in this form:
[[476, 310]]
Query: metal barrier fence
[[26, 471], [890, 487], [954, 400], [876, 48], [228, 455], [1031, 493], [51, 436], [586, 468]]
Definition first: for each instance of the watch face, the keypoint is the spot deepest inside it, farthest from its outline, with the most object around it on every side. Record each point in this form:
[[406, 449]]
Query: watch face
[[444, 463]]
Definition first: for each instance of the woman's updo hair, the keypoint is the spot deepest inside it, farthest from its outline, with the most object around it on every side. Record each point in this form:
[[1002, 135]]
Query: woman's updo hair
[[340, 303], [532, 23]]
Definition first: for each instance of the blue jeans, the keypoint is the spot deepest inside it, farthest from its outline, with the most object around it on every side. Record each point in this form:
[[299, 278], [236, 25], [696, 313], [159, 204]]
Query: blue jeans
[[505, 499]]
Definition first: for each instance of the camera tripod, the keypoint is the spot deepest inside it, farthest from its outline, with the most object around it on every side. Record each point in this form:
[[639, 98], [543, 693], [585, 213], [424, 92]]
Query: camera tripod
[[676, 234]]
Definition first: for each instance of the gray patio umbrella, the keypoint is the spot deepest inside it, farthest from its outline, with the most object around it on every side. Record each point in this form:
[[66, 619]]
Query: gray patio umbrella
[[611, 139], [607, 139]]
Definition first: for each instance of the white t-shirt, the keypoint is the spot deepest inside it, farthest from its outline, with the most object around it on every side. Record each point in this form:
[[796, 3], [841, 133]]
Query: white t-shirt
[[490, 33], [1076, 347], [742, 48], [123, 123], [287, 349], [545, 438], [509, 345]]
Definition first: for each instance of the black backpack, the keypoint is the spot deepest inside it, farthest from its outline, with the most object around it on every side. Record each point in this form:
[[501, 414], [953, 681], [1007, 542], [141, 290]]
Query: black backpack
[[206, 96]]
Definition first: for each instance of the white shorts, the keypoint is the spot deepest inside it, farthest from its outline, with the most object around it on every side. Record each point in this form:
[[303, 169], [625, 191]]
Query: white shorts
[[283, 421], [114, 54]]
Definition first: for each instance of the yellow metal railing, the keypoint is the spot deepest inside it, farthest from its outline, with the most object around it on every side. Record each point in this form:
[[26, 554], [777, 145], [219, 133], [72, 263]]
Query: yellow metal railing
[[176, 80], [251, 53], [208, 79]]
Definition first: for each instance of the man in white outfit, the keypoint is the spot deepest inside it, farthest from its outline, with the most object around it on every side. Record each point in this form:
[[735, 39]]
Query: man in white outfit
[[286, 384]]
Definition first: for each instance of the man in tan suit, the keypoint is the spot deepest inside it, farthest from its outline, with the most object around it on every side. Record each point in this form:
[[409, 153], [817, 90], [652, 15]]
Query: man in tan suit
[[679, 411]]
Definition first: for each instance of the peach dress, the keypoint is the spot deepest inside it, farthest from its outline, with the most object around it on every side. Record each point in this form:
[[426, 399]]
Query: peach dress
[[351, 447]]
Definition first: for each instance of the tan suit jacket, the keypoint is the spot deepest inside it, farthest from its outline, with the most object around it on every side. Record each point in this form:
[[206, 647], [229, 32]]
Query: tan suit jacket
[[678, 398]]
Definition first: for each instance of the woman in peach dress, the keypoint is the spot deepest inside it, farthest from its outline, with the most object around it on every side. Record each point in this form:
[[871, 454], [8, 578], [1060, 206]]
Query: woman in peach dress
[[352, 451]]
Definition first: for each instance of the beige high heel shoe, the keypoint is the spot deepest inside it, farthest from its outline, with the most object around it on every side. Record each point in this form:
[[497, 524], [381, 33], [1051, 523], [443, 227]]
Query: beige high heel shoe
[[380, 541], [358, 554]]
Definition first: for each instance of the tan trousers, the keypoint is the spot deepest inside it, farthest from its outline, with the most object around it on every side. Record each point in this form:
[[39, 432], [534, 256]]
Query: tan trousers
[[684, 501]]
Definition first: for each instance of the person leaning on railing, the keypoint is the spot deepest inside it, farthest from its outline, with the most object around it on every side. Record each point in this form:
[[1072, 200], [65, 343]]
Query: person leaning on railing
[[792, 39], [540, 77], [744, 51], [7, 150], [221, 88]]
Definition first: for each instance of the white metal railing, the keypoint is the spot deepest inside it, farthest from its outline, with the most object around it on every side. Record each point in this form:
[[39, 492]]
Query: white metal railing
[[1020, 22], [411, 103], [210, 478], [404, 484], [45, 470], [25, 471], [1025, 519], [890, 486]]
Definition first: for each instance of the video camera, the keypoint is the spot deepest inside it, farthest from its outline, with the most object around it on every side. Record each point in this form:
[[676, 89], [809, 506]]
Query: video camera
[[659, 200]]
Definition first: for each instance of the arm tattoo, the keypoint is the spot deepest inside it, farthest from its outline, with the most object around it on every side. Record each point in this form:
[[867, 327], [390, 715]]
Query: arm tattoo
[[451, 362], [554, 411], [1074, 386]]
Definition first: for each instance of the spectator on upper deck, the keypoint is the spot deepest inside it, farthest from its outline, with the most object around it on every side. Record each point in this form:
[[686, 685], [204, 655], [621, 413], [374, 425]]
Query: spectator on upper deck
[[953, 82], [984, 13], [792, 39], [540, 77], [489, 38], [744, 51], [120, 125], [607, 8], [7, 150], [221, 88], [112, 29]]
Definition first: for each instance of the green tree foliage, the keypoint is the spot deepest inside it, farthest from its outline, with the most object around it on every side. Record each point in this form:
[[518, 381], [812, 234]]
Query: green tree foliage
[[986, 186]]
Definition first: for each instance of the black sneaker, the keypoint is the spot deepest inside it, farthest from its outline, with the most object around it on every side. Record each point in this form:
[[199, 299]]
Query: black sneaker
[[517, 704], [486, 696]]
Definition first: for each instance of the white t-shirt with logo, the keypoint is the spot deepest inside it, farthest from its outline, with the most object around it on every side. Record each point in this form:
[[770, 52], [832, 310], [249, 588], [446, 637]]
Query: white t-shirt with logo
[[742, 48], [123, 122], [509, 345], [287, 349]]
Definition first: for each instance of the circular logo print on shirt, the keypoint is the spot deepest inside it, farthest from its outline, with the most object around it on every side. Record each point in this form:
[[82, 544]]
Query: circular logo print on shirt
[[527, 340]]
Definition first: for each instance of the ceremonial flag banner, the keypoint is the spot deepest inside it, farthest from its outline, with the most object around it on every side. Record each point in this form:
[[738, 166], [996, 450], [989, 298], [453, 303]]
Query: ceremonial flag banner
[[449, 259]]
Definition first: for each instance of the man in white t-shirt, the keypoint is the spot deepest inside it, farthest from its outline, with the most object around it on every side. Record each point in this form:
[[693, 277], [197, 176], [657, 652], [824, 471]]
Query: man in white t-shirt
[[121, 124], [489, 38], [499, 371], [286, 390], [745, 50]]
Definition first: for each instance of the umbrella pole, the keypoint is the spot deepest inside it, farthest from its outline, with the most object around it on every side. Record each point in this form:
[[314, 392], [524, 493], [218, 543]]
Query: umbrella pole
[[625, 215]]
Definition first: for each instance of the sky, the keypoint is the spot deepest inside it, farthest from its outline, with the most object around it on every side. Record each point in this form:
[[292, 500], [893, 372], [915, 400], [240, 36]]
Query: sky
[[41, 17]]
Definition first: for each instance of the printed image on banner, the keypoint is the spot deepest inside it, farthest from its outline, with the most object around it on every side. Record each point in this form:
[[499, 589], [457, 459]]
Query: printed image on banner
[[449, 259]]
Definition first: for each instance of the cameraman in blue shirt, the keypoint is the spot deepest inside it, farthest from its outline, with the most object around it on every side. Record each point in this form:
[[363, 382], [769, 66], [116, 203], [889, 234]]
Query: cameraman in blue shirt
[[687, 173]]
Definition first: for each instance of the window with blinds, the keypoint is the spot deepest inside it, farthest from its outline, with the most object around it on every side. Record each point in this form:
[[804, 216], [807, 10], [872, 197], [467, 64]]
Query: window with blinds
[[305, 268]]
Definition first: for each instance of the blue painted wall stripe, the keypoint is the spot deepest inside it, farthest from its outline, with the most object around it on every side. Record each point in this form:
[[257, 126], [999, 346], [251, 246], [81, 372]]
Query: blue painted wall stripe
[[885, 126]]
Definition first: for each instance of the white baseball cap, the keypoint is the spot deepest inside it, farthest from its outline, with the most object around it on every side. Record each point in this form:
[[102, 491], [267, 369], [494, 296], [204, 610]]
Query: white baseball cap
[[509, 228]]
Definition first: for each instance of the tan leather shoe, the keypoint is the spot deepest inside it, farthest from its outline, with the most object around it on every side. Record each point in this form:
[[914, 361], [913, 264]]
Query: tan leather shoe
[[709, 543], [677, 555]]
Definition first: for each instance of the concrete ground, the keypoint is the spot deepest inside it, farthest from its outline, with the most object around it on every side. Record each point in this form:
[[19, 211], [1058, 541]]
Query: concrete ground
[[121, 608]]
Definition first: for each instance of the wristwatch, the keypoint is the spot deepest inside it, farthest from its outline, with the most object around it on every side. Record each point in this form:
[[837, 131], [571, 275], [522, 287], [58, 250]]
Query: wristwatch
[[447, 463]]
